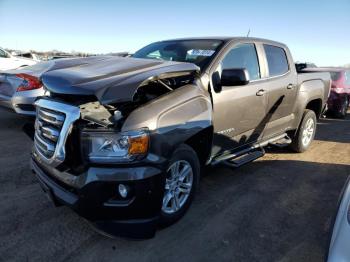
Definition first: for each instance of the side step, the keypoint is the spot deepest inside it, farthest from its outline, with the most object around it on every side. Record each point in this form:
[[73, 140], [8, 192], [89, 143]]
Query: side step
[[239, 160], [283, 142], [251, 153]]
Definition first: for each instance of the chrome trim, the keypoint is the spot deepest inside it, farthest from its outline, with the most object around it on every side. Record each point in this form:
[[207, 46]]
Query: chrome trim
[[50, 133], [60, 115], [48, 146], [51, 118]]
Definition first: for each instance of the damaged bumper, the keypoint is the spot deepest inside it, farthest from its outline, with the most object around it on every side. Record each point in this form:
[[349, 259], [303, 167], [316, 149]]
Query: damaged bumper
[[95, 197]]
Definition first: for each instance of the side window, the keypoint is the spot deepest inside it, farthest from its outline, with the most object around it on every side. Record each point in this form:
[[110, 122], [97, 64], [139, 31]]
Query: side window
[[277, 60], [347, 77], [243, 56], [2, 54]]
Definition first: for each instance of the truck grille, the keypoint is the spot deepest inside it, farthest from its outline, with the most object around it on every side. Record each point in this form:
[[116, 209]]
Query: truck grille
[[48, 126], [54, 121]]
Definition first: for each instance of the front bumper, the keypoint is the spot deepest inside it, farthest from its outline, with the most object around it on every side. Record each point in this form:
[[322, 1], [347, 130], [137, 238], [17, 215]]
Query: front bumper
[[94, 196]]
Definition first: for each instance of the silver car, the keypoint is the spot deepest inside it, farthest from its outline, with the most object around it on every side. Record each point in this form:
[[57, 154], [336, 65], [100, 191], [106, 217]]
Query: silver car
[[339, 249], [20, 88]]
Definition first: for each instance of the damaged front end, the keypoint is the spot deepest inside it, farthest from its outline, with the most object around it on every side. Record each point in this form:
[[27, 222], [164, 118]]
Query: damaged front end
[[89, 153]]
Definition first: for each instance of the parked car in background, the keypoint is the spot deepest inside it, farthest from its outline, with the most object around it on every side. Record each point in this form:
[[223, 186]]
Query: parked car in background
[[122, 140], [30, 55], [8, 61], [339, 249], [339, 97], [20, 88]]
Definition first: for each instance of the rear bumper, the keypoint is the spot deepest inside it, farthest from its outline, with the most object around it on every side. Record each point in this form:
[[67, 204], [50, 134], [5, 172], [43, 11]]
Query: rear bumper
[[22, 102], [5, 101], [98, 201]]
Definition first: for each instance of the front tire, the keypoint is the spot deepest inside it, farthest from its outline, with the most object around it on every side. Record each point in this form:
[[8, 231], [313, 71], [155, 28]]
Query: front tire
[[306, 132], [180, 186]]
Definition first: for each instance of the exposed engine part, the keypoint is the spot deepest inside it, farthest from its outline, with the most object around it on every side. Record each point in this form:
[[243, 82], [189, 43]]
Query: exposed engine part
[[96, 113], [165, 85], [152, 89], [117, 115]]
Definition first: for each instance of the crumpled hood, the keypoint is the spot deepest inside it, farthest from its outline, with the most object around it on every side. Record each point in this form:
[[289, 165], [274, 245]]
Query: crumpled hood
[[110, 79]]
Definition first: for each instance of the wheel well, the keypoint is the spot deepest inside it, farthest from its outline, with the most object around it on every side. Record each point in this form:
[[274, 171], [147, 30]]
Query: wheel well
[[316, 106], [201, 143]]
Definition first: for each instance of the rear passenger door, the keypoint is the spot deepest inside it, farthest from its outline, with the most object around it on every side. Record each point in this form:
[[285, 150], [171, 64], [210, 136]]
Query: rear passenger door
[[238, 112], [281, 86]]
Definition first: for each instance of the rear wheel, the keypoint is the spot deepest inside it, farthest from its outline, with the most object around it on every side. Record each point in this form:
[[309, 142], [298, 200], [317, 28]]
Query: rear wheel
[[180, 185], [306, 132], [344, 108]]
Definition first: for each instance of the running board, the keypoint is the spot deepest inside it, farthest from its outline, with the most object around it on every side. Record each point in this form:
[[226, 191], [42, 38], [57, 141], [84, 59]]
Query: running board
[[251, 153], [283, 142], [244, 159]]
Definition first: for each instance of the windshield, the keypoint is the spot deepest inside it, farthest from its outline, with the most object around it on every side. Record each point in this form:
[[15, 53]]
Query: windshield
[[199, 52]]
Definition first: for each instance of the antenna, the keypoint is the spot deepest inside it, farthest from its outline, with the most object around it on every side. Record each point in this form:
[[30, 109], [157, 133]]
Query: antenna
[[248, 32]]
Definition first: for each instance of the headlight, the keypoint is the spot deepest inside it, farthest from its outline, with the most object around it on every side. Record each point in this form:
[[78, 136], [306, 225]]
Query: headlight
[[111, 147]]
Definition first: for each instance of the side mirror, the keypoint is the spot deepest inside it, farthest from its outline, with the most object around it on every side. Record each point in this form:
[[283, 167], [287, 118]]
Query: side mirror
[[234, 77]]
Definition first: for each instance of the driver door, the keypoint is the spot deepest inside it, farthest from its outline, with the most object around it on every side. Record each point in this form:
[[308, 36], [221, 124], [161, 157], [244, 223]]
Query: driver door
[[238, 111]]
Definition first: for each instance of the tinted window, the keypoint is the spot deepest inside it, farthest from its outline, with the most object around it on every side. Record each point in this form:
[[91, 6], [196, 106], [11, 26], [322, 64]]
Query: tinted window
[[3, 53], [276, 60], [199, 52], [347, 77], [243, 56]]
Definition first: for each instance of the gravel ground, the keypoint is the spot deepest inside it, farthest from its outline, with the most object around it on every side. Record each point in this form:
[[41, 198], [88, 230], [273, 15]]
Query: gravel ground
[[278, 208]]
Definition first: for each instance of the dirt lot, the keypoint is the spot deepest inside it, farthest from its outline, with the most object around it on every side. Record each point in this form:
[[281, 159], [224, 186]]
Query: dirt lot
[[278, 208]]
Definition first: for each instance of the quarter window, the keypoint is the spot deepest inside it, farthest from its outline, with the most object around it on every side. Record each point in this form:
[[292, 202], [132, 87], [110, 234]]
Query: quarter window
[[243, 56], [276, 60]]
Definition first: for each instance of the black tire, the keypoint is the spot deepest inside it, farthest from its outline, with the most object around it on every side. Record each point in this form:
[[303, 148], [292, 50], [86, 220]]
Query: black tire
[[297, 144], [185, 153], [344, 108]]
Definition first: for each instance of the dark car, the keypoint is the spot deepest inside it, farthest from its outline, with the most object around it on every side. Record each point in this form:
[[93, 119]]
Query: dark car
[[339, 97], [122, 140]]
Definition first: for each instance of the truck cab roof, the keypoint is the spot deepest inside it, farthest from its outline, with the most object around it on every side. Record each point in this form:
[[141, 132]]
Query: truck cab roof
[[229, 39]]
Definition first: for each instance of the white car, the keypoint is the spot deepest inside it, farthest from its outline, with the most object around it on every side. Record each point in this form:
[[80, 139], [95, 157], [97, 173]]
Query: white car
[[8, 61]]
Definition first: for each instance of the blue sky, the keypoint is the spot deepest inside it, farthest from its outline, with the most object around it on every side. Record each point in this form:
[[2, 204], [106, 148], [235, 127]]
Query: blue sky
[[315, 30]]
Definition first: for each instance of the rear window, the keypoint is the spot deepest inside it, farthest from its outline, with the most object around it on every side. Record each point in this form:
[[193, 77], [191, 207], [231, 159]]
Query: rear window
[[277, 60]]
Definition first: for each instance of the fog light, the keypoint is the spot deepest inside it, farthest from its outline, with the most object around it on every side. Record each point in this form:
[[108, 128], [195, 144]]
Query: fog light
[[123, 190]]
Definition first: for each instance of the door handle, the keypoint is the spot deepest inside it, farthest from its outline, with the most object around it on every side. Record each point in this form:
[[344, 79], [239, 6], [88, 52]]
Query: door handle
[[261, 92], [290, 86]]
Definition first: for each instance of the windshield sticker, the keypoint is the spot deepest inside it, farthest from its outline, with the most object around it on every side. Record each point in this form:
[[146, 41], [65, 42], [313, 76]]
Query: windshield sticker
[[200, 52]]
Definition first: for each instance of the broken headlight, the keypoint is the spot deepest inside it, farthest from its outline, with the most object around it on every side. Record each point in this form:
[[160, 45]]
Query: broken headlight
[[110, 147]]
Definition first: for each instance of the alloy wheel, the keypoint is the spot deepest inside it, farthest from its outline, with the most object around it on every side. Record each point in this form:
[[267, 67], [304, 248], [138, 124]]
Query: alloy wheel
[[178, 186], [308, 132]]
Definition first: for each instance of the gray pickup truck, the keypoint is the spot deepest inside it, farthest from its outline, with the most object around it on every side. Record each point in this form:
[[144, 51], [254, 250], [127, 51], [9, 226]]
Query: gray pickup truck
[[123, 141]]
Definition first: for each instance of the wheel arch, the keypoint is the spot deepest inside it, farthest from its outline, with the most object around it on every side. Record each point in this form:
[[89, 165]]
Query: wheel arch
[[201, 143], [316, 106]]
